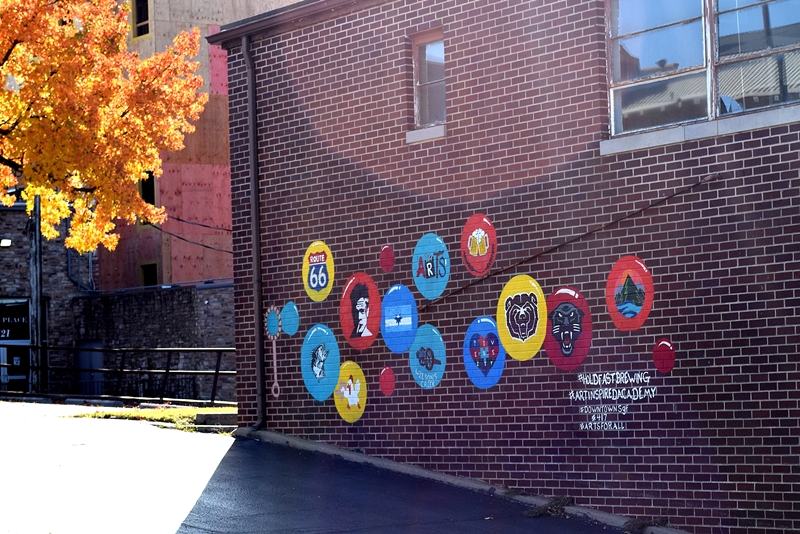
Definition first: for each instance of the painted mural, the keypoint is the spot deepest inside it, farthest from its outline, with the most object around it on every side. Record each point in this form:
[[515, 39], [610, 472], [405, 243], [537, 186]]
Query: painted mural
[[350, 395], [359, 311], [431, 266], [629, 293], [568, 335], [319, 361], [478, 245], [522, 317], [427, 357], [525, 322], [484, 356], [398, 318]]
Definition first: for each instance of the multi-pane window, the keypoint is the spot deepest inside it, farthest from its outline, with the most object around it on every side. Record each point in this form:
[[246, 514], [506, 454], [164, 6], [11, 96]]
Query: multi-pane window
[[661, 73], [429, 87], [141, 18]]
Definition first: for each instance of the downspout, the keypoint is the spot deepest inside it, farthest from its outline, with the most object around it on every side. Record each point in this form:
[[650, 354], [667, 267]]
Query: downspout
[[255, 233]]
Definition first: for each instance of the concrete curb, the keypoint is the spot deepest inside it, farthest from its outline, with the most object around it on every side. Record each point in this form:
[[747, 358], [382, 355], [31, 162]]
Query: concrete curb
[[590, 514]]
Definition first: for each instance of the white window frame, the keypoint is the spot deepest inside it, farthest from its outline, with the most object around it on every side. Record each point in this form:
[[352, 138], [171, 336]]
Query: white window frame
[[710, 67], [424, 131]]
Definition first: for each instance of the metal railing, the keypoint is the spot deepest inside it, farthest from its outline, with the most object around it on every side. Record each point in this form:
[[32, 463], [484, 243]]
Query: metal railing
[[156, 377]]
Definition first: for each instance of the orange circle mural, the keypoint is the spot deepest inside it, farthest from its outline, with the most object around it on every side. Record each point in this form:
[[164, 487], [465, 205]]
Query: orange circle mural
[[629, 293]]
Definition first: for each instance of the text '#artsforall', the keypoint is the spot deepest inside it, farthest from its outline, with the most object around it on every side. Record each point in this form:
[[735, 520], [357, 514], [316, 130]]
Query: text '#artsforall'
[[569, 329], [318, 271], [319, 361], [522, 317], [629, 293], [398, 318], [431, 266]]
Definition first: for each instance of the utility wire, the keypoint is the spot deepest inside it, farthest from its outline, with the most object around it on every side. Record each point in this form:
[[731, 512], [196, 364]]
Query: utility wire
[[187, 240], [172, 217], [704, 179]]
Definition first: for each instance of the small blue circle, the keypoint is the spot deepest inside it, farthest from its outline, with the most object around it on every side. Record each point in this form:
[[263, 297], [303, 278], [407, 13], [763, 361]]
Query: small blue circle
[[430, 266], [319, 360], [273, 324], [484, 356], [427, 357], [398, 318], [290, 318]]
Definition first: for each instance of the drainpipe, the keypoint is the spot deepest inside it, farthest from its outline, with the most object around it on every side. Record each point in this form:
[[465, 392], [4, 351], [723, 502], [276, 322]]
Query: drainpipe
[[255, 233]]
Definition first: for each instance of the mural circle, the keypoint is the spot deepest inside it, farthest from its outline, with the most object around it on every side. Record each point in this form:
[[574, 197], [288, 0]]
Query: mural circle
[[569, 329], [427, 357], [319, 361], [318, 271], [272, 322], [290, 318], [430, 266], [484, 356], [522, 317], [398, 318], [664, 355], [478, 244], [387, 258], [387, 381], [359, 311], [629, 293], [350, 395]]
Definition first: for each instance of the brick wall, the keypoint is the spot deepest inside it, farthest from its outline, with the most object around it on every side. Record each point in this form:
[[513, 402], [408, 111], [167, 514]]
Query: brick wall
[[715, 447], [192, 316]]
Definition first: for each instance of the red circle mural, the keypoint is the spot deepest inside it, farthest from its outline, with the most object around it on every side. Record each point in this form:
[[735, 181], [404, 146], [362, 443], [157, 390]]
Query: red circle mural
[[569, 329], [387, 258], [360, 311], [629, 293], [478, 244], [387, 381], [664, 355]]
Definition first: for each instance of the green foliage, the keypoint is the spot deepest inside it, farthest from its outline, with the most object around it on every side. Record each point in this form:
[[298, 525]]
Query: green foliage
[[182, 418]]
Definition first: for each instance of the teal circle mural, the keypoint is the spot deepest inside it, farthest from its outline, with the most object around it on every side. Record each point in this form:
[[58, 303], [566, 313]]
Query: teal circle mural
[[319, 361], [427, 357], [431, 266]]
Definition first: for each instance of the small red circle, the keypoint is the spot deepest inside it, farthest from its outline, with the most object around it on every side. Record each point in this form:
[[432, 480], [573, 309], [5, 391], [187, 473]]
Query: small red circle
[[664, 355], [387, 381], [387, 258]]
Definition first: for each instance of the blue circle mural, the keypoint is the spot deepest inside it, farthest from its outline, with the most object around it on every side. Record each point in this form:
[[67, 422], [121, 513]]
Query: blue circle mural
[[319, 360], [398, 318], [290, 318], [427, 357], [484, 356], [431, 266]]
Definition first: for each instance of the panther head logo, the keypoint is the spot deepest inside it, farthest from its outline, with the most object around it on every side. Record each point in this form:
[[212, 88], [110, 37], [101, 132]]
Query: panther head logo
[[522, 315], [566, 326]]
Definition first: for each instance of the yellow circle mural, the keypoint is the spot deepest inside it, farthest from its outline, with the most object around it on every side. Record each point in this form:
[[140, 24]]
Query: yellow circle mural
[[350, 394], [522, 317], [318, 271]]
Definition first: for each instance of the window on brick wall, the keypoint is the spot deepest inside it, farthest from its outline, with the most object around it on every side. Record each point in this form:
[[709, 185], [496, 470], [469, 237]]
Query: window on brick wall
[[429, 86], [141, 18], [661, 73]]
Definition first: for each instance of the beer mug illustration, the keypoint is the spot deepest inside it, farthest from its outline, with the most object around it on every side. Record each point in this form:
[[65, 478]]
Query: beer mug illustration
[[478, 242]]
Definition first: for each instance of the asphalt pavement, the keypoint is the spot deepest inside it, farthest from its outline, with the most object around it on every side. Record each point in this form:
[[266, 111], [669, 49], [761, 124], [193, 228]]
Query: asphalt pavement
[[268, 488], [64, 475]]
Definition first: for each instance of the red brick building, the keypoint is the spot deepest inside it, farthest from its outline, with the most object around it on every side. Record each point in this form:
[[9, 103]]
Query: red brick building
[[638, 166]]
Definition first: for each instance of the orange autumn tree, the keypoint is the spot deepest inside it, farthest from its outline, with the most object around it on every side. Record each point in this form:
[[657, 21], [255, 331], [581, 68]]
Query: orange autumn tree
[[82, 119]]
